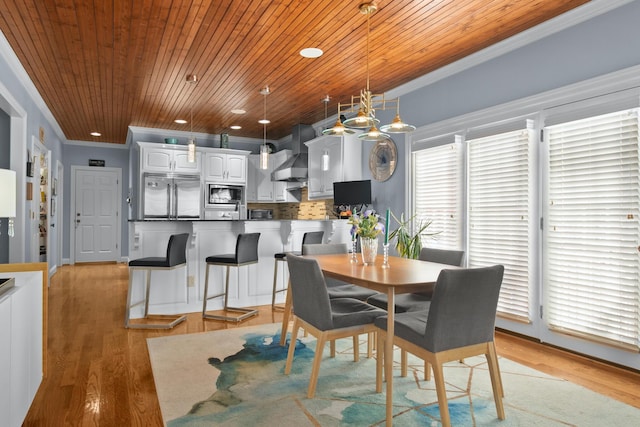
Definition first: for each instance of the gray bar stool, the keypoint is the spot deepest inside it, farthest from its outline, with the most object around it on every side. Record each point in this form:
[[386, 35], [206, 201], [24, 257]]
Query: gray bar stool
[[309, 238], [246, 253], [176, 258]]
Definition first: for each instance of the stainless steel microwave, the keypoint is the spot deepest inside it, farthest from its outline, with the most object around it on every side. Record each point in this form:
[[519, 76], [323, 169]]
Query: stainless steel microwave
[[218, 194]]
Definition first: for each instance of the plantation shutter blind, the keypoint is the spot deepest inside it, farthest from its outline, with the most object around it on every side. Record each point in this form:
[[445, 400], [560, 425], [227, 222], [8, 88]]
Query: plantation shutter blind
[[499, 206], [592, 280], [437, 186]]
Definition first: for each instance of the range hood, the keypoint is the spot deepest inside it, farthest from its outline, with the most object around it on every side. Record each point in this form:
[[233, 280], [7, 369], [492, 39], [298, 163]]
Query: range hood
[[295, 168]]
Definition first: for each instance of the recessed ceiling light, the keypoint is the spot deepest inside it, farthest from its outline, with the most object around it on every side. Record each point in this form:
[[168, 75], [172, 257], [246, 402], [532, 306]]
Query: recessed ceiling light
[[311, 52], [96, 134], [238, 111], [236, 127], [264, 121], [180, 121]]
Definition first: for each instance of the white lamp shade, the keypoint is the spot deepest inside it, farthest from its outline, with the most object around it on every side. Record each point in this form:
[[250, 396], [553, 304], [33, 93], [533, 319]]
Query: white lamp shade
[[7, 193]]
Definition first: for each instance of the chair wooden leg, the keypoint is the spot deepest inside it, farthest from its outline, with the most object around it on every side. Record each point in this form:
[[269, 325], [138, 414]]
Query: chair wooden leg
[[379, 362], [332, 347], [496, 380], [285, 318], [370, 344], [292, 345], [427, 371], [356, 348], [315, 370], [438, 376], [403, 362]]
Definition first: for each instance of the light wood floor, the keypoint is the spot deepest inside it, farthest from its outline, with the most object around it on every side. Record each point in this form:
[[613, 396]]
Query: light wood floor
[[99, 372]]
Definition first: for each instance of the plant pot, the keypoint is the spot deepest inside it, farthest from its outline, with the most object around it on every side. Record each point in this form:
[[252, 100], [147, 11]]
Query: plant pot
[[369, 250]]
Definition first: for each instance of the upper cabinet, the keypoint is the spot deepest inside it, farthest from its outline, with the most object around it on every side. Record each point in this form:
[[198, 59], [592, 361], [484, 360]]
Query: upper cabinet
[[345, 163], [225, 166], [260, 187], [165, 158]]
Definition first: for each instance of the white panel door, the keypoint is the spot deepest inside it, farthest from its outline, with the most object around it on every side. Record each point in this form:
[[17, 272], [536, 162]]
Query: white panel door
[[96, 215]]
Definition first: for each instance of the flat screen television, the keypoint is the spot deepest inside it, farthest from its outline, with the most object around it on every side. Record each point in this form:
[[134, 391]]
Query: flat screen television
[[350, 193]]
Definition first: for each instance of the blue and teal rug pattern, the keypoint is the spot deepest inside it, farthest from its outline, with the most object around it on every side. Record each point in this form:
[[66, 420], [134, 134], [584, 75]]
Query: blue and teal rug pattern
[[234, 377]]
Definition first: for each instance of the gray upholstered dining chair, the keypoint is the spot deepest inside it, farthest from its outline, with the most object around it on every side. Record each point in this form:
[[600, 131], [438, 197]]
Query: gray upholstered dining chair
[[418, 301], [338, 288], [325, 318], [459, 323]]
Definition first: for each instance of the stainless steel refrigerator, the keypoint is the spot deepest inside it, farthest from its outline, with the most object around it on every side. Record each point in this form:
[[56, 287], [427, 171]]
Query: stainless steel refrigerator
[[172, 197]]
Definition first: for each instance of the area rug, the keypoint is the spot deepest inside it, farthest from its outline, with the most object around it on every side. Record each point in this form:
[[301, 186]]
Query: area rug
[[235, 377]]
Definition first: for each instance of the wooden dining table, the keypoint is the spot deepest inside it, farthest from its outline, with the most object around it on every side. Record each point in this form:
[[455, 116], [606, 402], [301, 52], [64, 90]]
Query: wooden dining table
[[402, 276]]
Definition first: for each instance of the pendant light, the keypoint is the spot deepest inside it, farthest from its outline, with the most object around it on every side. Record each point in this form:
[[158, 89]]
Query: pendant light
[[325, 154], [264, 150], [397, 125], [191, 142], [365, 104], [338, 129]]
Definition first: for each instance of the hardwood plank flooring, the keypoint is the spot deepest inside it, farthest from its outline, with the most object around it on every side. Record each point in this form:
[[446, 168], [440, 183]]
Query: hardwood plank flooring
[[99, 372]]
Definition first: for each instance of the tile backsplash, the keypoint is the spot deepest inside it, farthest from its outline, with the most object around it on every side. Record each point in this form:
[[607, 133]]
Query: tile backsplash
[[305, 209]]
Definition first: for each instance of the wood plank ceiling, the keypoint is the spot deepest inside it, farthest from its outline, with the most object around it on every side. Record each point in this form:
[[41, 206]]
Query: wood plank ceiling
[[103, 65]]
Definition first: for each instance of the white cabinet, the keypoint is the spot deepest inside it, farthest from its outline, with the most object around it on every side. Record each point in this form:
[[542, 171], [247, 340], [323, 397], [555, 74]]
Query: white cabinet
[[168, 158], [260, 188], [20, 346], [345, 163], [226, 167]]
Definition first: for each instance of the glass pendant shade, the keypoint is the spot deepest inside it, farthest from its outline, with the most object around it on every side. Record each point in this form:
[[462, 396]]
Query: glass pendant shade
[[264, 157], [398, 126], [361, 121], [325, 161], [264, 150], [373, 134], [191, 150], [337, 129]]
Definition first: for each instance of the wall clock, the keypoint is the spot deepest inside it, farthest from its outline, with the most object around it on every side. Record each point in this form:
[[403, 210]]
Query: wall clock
[[383, 159]]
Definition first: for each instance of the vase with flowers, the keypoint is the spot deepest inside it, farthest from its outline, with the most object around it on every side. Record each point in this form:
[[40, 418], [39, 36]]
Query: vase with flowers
[[368, 227]]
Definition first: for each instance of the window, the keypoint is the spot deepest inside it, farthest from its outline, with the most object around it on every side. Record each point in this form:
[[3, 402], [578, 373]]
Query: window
[[592, 229], [436, 193], [499, 214]]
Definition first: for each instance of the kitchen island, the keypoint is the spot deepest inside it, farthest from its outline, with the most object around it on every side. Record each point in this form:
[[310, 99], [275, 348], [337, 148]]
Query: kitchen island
[[181, 290]]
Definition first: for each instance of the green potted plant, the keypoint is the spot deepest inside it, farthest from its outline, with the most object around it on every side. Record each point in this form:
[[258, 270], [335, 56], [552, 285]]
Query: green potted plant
[[409, 245]]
